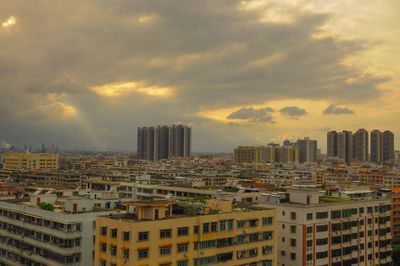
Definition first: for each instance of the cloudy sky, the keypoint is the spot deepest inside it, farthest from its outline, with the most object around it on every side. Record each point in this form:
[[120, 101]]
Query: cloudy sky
[[86, 73]]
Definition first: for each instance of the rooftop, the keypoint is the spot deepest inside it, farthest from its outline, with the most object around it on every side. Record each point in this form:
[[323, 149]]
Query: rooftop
[[181, 209]]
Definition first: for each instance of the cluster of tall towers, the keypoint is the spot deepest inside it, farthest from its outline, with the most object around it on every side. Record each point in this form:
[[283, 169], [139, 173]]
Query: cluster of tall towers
[[164, 142], [358, 147]]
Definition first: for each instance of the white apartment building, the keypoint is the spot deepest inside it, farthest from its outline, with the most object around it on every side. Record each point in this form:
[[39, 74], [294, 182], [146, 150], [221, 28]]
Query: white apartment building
[[30, 235], [136, 191], [327, 231]]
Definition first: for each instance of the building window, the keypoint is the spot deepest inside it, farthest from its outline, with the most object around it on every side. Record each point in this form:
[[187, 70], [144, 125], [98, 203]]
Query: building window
[[196, 229], [309, 230], [267, 250], [143, 236], [165, 233], [126, 236], [182, 263], [293, 215], [336, 214], [309, 216], [349, 212], [293, 229], [113, 250], [103, 230], [267, 235], [322, 228], [322, 255], [114, 233], [103, 247], [240, 224], [322, 215], [322, 241], [293, 256], [336, 253], [222, 226], [183, 231], [253, 223], [266, 263], [182, 247], [143, 253], [214, 227], [165, 250], [230, 225], [336, 227], [267, 220], [293, 242], [125, 254], [206, 227]]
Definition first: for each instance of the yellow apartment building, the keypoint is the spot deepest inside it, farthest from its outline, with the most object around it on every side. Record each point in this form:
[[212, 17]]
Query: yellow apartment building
[[30, 161], [159, 233], [244, 154]]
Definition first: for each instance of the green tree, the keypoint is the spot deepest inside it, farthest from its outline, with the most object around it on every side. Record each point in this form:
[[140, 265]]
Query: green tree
[[46, 206]]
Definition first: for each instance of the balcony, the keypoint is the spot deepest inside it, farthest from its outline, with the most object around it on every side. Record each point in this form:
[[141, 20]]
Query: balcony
[[64, 251], [43, 229]]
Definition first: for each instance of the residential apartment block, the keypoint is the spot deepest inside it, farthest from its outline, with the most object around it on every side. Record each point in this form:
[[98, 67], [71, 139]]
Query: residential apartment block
[[340, 146], [30, 235], [382, 146], [307, 149], [163, 233], [262, 154], [164, 142], [332, 231], [30, 161]]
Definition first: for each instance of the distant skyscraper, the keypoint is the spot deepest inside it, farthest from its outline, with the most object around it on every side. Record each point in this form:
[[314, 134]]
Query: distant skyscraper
[[145, 143], [163, 142], [345, 146], [339, 145], [244, 154], [307, 150], [360, 145], [376, 146], [387, 146], [331, 142], [382, 146], [180, 141]]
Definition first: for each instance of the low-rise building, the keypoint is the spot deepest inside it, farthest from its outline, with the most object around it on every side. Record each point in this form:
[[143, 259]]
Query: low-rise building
[[30, 161], [319, 231], [61, 232], [164, 233]]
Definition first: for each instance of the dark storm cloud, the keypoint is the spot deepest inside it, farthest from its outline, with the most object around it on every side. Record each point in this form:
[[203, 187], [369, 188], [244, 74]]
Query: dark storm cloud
[[337, 110], [213, 53], [253, 115], [293, 111]]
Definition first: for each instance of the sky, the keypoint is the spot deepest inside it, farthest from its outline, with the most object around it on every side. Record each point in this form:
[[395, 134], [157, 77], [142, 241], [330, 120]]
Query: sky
[[87, 73]]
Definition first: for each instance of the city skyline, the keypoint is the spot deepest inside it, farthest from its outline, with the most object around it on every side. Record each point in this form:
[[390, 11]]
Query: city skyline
[[239, 72]]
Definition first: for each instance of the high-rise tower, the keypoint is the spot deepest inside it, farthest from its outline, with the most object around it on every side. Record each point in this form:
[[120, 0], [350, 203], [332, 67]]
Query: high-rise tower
[[360, 145], [163, 142]]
